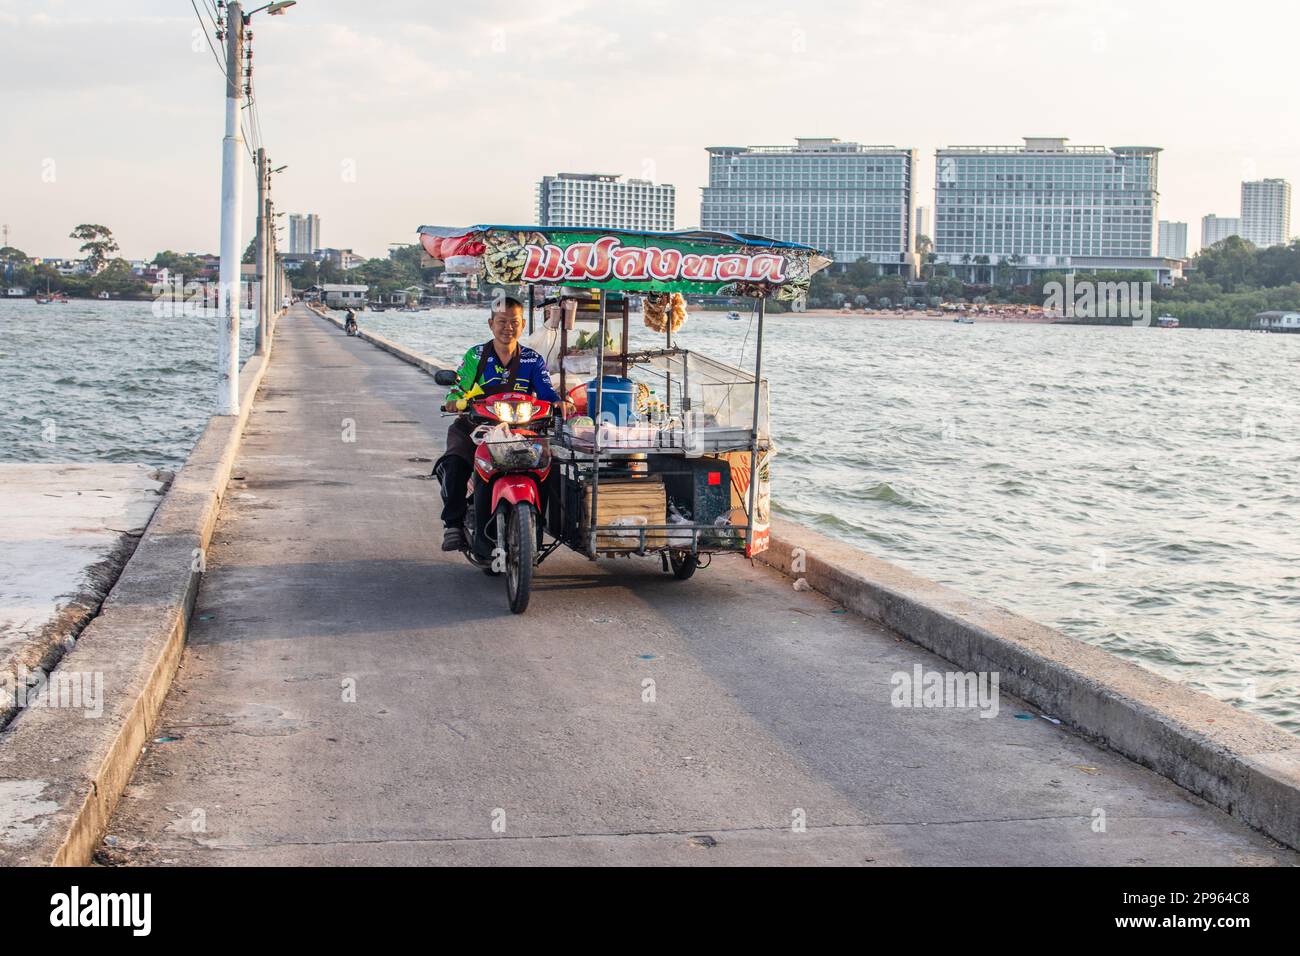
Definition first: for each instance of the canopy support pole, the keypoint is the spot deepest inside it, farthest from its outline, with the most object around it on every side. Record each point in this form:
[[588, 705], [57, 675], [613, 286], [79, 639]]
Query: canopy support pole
[[753, 435], [595, 434]]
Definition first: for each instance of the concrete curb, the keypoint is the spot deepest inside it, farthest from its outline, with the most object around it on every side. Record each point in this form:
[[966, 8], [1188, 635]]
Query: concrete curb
[[1229, 758], [61, 774]]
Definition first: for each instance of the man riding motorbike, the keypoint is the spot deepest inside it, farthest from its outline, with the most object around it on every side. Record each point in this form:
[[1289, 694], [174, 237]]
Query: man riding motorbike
[[502, 364], [350, 323]]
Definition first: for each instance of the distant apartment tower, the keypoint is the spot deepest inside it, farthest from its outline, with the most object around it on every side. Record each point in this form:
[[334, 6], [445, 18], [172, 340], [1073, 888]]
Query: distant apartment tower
[[921, 223], [603, 201], [848, 200], [1046, 204], [1173, 239], [1266, 212], [304, 233], [1217, 228]]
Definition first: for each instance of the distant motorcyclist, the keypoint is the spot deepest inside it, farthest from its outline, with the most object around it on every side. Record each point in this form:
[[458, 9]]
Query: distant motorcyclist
[[350, 323]]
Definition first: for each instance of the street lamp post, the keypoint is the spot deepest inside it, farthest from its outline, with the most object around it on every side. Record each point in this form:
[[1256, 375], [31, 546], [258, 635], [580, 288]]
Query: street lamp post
[[231, 220], [231, 192]]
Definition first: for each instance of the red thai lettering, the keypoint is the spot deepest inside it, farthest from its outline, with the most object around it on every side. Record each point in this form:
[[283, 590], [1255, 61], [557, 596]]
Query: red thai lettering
[[664, 264], [699, 268], [630, 263], [590, 261], [732, 267], [544, 264], [767, 268]]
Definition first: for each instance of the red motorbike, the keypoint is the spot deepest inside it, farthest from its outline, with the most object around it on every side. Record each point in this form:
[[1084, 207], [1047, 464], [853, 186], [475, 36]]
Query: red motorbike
[[511, 465]]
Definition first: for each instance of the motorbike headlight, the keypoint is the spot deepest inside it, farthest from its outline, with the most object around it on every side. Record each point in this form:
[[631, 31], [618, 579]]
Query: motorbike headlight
[[514, 413]]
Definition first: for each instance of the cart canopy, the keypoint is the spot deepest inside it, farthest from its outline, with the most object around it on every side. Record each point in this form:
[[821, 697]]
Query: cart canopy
[[708, 263]]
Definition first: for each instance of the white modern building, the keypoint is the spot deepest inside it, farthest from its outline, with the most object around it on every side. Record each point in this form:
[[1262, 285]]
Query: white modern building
[[1217, 228], [1266, 212], [1047, 206], [1173, 239], [1278, 321], [344, 259], [344, 296], [604, 201], [848, 200], [304, 233]]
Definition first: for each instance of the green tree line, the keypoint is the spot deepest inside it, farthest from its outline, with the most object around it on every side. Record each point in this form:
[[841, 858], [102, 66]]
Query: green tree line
[[109, 273], [1224, 285]]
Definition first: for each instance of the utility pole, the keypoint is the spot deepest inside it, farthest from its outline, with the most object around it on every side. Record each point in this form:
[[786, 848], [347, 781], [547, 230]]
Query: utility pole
[[231, 195], [262, 259], [272, 237], [272, 303]]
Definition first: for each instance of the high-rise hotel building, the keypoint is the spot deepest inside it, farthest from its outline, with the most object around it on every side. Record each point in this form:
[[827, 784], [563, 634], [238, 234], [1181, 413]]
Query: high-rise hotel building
[[603, 201], [1173, 239], [848, 200], [1266, 212], [304, 233], [1217, 228], [1046, 205]]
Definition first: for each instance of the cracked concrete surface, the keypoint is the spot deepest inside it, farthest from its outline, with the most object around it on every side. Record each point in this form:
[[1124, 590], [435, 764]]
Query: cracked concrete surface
[[66, 531], [350, 695]]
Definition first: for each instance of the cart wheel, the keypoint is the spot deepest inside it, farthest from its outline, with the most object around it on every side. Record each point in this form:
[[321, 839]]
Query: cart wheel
[[520, 548], [684, 564]]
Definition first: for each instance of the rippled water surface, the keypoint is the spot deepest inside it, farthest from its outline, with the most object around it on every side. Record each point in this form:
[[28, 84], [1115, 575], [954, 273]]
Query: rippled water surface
[[105, 381], [1137, 488]]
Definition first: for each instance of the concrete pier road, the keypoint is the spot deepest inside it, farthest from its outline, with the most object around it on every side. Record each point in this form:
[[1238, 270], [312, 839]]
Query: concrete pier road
[[351, 695]]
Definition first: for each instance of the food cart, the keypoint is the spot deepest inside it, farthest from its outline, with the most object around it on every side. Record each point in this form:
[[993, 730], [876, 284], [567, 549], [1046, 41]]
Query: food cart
[[669, 452]]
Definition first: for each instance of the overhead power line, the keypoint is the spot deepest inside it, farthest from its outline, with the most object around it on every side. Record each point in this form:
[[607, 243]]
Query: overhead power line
[[204, 27]]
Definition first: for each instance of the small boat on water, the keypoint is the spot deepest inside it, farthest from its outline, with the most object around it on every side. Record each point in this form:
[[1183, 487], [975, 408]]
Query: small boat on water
[[49, 296], [734, 316], [964, 320], [1166, 321]]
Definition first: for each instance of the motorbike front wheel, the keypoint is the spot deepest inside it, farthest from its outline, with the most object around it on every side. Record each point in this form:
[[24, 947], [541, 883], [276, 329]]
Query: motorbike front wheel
[[521, 543]]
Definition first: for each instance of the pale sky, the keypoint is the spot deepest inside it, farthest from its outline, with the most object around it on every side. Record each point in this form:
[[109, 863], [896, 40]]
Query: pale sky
[[395, 113]]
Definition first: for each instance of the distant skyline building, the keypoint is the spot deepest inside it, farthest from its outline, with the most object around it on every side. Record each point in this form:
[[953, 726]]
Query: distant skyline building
[[604, 201], [848, 200], [921, 223], [1217, 228], [1048, 206], [304, 233], [1266, 212], [1173, 239]]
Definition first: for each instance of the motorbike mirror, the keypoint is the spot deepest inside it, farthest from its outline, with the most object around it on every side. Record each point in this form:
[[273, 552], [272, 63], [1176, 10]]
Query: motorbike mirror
[[445, 376]]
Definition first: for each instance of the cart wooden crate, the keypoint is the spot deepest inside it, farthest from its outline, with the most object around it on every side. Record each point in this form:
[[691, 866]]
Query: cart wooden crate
[[627, 502]]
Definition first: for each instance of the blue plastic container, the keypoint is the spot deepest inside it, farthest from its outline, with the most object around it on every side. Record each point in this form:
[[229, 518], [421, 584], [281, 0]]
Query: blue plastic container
[[617, 399]]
